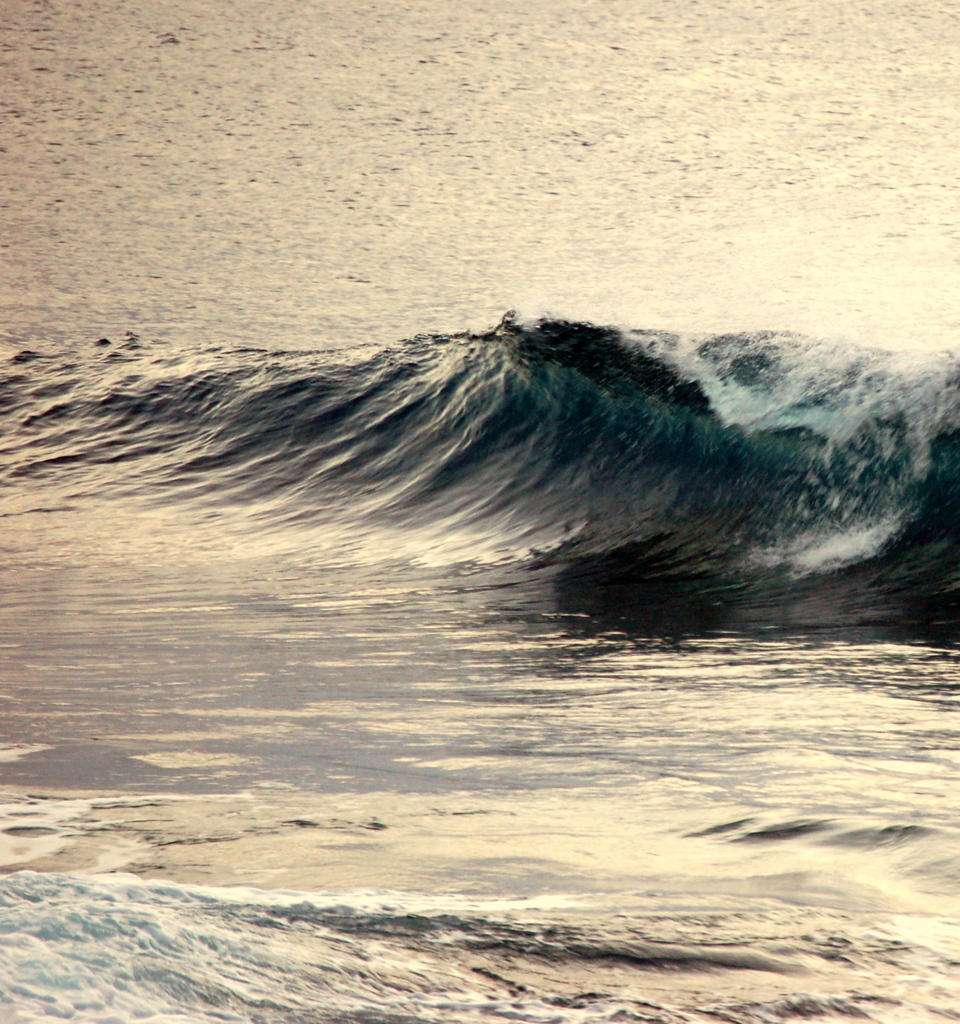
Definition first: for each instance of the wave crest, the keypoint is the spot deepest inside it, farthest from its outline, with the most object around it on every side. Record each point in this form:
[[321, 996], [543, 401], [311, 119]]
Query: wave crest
[[636, 454]]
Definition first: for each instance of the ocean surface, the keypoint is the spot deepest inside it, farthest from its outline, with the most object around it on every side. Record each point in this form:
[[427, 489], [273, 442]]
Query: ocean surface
[[479, 512]]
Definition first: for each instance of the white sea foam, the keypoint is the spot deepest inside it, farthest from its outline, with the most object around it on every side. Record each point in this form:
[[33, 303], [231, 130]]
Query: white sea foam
[[114, 949], [827, 385], [822, 550], [108, 949], [14, 751]]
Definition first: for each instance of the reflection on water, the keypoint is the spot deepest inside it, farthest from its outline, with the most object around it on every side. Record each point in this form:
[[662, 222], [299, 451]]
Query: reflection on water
[[772, 807], [378, 680]]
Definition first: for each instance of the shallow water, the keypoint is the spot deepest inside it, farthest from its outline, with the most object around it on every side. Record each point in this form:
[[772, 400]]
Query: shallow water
[[369, 653]]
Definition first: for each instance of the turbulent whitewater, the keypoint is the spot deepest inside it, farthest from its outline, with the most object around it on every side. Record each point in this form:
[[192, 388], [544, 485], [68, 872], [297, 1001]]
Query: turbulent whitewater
[[107, 949]]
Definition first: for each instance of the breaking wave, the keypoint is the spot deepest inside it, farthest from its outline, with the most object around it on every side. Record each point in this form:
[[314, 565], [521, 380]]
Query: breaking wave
[[618, 455]]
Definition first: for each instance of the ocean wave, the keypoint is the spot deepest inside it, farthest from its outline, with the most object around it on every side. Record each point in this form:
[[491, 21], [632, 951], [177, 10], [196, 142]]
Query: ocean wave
[[621, 455]]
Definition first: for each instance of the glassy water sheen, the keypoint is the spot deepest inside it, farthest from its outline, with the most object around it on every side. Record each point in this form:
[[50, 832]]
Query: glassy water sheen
[[369, 653]]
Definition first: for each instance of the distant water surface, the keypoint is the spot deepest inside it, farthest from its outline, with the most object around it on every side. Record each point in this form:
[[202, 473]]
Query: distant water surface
[[316, 172]]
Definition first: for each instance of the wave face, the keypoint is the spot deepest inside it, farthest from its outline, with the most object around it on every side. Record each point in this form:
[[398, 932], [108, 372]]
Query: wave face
[[622, 456]]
